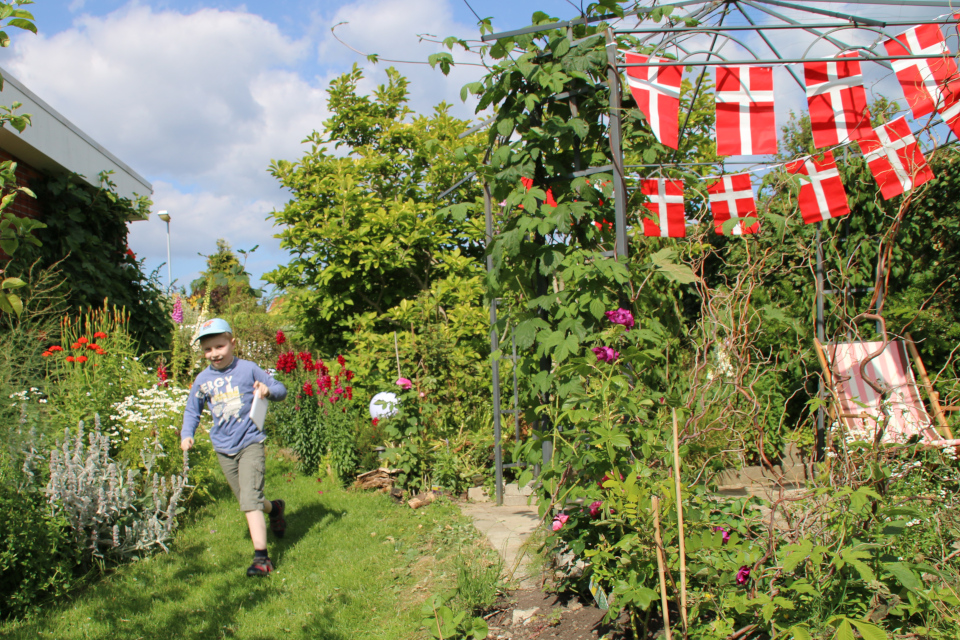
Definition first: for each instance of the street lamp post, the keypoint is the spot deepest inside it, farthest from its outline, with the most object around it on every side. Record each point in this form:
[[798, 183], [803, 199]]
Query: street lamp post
[[163, 215]]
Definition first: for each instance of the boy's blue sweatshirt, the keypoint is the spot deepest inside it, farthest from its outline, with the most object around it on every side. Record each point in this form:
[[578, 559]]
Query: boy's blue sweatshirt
[[230, 394]]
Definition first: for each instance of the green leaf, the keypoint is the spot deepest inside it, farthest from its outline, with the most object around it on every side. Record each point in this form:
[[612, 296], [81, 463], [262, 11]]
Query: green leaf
[[903, 574], [799, 632], [869, 631], [12, 283], [844, 631], [14, 302], [23, 24]]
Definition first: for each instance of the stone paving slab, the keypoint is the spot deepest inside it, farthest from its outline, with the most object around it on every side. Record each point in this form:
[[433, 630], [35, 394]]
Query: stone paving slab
[[507, 528]]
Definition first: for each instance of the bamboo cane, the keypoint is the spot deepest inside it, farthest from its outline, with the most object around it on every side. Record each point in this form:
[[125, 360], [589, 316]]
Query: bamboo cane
[[683, 551], [396, 350], [663, 578]]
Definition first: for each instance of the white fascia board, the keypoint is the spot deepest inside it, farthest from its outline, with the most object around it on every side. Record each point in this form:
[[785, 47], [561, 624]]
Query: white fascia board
[[54, 144]]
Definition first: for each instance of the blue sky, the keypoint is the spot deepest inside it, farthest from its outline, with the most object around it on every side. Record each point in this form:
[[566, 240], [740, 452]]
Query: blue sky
[[200, 96]]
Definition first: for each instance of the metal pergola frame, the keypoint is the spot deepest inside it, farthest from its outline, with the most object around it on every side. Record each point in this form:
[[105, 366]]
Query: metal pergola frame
[[757, 15]]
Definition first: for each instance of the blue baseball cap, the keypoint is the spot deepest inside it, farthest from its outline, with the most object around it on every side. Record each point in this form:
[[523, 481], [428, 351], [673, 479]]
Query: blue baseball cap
[[213, 327]]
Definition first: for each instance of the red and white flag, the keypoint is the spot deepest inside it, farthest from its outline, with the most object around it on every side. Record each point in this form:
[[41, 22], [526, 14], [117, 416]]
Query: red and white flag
[[837, 100], [732, 196], [894, 158], [657, 92], [746, 124], [666, 204], [823, 197], [929, 84]]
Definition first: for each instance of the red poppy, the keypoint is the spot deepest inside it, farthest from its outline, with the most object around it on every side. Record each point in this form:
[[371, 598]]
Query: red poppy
[[81, 359], [82, 340], [70, 358], [100, 334]]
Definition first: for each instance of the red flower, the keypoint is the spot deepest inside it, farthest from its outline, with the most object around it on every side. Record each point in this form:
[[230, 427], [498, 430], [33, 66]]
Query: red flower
[[349, 375], [375, 421], [287, 362], [341, 360], [100, 352], [55, 348], [70, 358], [349, 391], [76, 345], [93, 347], [81, 359], [550, 202], [131, 253], [82, 340], [162, 375], [308, 388], [46, 354], [100, 334], [280, 337]]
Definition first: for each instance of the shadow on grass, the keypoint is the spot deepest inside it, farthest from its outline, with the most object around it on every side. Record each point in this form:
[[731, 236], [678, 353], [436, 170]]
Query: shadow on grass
[[189, 594]]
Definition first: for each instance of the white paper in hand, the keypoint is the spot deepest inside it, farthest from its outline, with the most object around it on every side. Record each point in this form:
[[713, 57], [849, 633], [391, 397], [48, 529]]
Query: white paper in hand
[[258, 411]]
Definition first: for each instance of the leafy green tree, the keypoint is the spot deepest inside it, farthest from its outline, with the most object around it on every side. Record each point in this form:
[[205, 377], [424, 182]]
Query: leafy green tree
[[226, 278], [365, 228]]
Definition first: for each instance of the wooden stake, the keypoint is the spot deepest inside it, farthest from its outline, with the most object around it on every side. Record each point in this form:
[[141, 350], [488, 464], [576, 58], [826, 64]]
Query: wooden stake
[[683, 551], [663, 578], [396, 350], [931, 394]]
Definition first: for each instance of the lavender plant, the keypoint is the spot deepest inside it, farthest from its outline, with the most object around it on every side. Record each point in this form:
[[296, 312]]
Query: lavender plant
[[113, 512]]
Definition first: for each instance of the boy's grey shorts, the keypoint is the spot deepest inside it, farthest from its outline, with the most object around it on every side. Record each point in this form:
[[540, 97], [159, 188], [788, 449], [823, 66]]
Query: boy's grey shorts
[[245, 471]]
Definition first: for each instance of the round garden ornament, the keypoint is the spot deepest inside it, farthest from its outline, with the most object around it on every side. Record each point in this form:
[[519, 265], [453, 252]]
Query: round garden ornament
[[384, 405]]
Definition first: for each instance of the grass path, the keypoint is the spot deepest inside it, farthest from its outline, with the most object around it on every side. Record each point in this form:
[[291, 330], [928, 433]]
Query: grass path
[[352, 566]]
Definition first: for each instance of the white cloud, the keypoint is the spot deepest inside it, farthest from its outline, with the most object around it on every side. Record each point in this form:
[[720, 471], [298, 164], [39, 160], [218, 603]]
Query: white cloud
[[390, 29]]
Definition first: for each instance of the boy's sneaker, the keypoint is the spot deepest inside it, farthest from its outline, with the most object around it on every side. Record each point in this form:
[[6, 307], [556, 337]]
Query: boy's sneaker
[[277, 523], [260, 567]]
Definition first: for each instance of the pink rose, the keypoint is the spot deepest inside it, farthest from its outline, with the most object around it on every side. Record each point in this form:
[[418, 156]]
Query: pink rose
[[559, 521], [403, 383], [621, 316]]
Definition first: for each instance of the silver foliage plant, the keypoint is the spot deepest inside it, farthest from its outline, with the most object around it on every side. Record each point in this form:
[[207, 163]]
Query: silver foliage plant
[[113, 511]]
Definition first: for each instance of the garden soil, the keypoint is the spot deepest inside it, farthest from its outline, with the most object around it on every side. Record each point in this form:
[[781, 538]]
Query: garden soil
[[535, 615]]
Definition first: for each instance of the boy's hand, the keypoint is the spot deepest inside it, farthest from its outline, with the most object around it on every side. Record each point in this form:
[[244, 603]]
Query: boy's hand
[[186, 444], [261, 390]]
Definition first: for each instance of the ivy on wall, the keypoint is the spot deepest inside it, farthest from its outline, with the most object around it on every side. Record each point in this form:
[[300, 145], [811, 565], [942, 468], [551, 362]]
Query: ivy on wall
[[86, 234]]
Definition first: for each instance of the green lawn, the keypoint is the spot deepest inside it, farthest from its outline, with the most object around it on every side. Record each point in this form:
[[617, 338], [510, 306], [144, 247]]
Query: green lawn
[[352, 565]]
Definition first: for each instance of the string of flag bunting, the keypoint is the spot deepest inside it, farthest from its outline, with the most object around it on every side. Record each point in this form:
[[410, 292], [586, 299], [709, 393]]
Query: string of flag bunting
[[745, 125]]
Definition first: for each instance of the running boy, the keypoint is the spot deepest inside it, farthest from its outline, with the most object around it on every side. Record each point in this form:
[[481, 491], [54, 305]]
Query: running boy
[[229, 385]]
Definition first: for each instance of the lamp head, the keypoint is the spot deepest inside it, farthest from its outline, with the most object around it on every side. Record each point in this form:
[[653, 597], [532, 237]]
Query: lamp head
[[163, 215]]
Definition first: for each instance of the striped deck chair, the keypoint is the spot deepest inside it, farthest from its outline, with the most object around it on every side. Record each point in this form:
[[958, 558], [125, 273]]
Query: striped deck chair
[[858, 404]]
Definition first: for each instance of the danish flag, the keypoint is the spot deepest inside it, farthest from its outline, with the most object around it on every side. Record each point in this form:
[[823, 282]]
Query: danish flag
[[929, 84], [823, 197], [657, 92], [732, 196], [746, 124], [894, 158], [837, 100], [666, 203]]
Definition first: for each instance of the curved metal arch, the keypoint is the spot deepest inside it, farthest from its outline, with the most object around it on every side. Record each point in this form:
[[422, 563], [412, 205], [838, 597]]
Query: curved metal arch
[[826, 36], [668, 41]]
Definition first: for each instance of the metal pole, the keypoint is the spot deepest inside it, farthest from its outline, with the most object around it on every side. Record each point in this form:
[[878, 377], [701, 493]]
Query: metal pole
[[616, 149], [821, 333], [169, 272], [494, 347], [668, 62]]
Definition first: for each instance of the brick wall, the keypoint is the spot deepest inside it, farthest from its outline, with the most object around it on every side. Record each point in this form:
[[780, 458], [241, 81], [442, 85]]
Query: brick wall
[[23, 205]]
